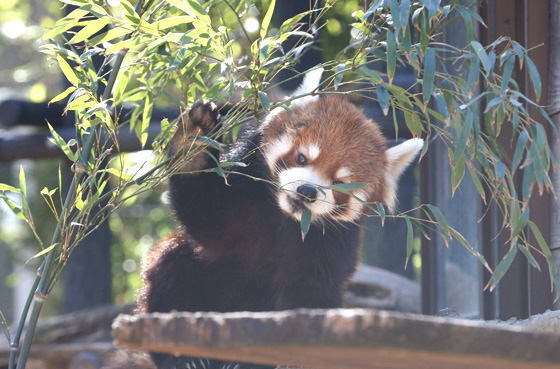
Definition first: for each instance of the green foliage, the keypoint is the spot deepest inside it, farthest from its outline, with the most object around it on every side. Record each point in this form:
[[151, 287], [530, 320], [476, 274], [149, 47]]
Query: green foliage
[[176, 52]]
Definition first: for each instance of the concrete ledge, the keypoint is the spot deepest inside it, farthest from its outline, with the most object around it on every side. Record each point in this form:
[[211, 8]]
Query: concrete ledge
[[340, 339]]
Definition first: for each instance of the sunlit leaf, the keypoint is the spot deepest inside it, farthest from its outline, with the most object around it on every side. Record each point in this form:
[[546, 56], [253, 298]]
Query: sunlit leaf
[[92, 27], [267, 18], [68, 71]]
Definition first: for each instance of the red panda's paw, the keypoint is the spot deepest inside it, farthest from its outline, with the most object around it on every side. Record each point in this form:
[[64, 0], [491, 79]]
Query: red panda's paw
[[203, 117]]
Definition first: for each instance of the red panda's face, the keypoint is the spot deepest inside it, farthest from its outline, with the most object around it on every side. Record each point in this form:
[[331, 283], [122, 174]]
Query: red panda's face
[[324, 143]]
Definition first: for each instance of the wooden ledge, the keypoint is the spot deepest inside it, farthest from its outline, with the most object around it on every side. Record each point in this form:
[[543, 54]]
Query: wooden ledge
[[340, 339]]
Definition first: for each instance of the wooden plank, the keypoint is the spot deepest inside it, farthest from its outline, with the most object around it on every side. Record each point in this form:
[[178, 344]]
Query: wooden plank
[[340, 339]]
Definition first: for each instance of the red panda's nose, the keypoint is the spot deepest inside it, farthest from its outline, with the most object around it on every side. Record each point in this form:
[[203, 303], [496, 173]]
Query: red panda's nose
[[307, 193]]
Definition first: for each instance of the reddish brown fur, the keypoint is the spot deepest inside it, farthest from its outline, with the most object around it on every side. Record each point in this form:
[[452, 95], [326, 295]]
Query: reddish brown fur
[[346, 137]]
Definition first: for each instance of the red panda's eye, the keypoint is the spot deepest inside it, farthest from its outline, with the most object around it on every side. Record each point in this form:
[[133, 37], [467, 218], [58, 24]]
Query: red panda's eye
[[337, 182], [301, 159]]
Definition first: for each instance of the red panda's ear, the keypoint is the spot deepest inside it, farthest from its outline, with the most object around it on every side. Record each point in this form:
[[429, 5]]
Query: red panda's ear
[[311, 81], [398, 158]]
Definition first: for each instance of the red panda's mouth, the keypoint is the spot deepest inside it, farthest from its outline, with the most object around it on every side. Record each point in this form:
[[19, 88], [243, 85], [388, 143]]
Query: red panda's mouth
[[296, 204]]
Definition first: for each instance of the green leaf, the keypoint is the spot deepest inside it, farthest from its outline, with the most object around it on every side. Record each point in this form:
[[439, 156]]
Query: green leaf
[[519, 149], [439, 217], [372, 9], [67, 70], [118, 173], [429, 74], [5, 187], [23, 188], [535, 77], [45, 251], [502, 267], [93, 27], [339, 74], [305, 223], [383, 97], [477, 183], [530, 258], [173, 21], [346, 186], [62, 95], [482, 56], [409, 240], [381, 211], [552, 270], [146, 117], [266, 20], [15, 208], [463, 137], [457, 174], [391, 55], [121, 86], [61, 144], [265, 101], [431, 6], [191, 7], [506, 74], [413, 123]]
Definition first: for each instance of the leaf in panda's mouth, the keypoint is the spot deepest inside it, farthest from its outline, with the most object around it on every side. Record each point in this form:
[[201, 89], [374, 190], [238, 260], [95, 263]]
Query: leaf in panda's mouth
[[305, 222]]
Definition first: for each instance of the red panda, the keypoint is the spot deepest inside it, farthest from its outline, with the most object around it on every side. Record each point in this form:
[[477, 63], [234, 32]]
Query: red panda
[[239, 245]]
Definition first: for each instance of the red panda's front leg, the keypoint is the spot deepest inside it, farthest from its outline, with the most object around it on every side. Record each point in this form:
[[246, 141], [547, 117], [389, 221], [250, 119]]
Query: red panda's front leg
[[216, 212]]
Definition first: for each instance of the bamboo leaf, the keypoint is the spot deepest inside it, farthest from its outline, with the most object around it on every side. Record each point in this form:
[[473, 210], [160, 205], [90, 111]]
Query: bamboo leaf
[[15, 208], [530, 258], [61, 144], [519, 149], [92, 28], [63, 94], [372, 9], [409, 240], [173, 21], [535, 77], [45, 251], [266, 20], [457, 174], [346, 186], [339, 74], [67, 70], [502, 267], [431, 6], [305, 223], [482, 56], [383, 97], [265, 101], [391, 55], [463, 137], [429, 74], [146, 117], [381, 211], [5, 187]]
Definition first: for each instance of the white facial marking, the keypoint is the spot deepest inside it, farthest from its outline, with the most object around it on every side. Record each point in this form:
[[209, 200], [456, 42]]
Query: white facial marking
[[344, 172], [290, 179], [313, 151], [276, 149]]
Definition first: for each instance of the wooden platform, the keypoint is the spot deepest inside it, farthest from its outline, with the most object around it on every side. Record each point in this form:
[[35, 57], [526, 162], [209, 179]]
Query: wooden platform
[[341, 339]]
